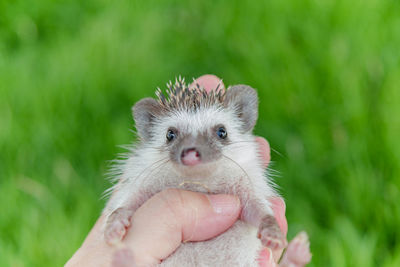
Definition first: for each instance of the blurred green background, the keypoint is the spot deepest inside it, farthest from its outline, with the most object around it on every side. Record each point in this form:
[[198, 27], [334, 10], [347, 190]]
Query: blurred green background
[[328, 77]]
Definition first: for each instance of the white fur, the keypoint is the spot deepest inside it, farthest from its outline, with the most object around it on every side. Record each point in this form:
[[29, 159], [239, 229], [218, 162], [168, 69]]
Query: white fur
[[239, 246], [240, 171]]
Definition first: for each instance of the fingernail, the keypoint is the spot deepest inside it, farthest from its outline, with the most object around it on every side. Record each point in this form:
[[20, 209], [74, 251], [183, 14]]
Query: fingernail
[[224, 204]]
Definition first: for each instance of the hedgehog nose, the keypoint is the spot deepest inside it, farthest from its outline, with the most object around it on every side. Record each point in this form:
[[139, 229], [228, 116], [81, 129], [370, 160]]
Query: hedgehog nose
[[190, 157]]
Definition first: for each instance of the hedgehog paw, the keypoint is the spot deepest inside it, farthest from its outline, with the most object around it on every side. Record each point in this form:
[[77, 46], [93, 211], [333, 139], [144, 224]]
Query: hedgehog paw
[[116, 225], [270, 234]]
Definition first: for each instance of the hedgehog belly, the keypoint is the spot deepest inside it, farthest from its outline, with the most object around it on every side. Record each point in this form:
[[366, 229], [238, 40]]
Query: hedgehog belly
[[239, 246]]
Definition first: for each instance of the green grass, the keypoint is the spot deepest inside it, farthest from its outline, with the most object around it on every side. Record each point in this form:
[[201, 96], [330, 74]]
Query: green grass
[[328, 76]]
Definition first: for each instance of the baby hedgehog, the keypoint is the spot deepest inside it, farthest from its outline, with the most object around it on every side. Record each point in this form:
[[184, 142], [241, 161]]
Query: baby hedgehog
[[203, 142]]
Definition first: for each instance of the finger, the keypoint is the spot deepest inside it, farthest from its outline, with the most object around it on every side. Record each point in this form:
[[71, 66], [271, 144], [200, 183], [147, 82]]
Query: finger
[[123, 258], [264, 150], [94, 251], [298, 251], [266, 259], [174, 216], [209, 82], [279, 208]]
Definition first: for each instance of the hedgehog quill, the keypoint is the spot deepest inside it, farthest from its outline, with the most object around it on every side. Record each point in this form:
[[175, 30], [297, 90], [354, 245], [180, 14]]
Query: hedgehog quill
[[203, 142]]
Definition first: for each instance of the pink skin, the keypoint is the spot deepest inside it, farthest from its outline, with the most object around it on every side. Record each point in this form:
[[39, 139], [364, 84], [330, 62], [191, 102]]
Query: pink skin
[[171, 215], [297, 252], [190, 157]]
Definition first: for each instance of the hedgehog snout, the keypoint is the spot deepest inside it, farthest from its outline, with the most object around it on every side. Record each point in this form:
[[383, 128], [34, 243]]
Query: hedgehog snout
[[190, 156]]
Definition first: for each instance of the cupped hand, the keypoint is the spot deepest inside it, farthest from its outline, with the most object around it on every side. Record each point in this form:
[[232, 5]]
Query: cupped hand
[[171, 217]]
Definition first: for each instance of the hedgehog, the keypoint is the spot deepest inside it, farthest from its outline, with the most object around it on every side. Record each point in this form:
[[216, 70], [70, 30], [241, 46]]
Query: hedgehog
[[203, 142]]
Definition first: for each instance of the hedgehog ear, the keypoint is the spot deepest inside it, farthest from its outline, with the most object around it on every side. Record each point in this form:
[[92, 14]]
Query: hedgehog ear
[[244, 100], [144, 113]]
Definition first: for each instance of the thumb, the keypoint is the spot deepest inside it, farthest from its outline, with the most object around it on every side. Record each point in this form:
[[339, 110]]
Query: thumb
[[174, 216]]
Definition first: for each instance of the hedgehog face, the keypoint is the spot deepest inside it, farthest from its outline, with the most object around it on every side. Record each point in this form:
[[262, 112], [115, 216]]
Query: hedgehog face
[[195, 138], [196, 129]]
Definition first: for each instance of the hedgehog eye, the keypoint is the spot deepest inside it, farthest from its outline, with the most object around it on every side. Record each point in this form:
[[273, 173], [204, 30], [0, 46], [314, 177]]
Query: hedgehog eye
[[222, 133], [171, 135]]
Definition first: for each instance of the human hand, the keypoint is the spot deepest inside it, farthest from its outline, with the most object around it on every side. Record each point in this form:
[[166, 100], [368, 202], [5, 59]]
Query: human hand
[[166, 220]]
